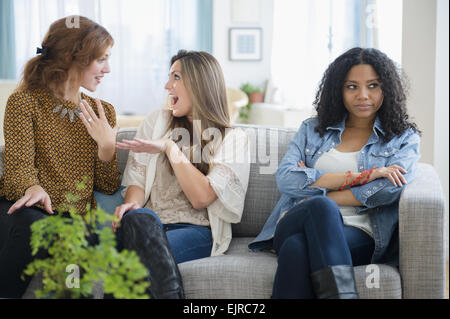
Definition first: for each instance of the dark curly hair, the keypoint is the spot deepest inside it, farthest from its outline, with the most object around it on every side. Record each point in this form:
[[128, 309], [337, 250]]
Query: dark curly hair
[[329, 101]]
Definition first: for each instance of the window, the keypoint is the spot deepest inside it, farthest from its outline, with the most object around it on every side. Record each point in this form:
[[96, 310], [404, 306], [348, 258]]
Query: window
[[317, 32], [146, 35]]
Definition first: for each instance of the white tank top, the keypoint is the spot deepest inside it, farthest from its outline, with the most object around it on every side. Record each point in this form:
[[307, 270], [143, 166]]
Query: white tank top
[[334, 161]]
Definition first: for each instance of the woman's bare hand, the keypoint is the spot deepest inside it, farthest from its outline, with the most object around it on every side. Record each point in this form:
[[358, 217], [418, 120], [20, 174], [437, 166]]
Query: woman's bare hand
[[34, 194], [98, 127], [392, 173], [138, 145], [119, 212], [301, 164]]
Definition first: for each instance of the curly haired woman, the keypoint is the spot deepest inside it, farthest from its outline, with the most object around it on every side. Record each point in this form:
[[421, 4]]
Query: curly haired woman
[[341, 180]]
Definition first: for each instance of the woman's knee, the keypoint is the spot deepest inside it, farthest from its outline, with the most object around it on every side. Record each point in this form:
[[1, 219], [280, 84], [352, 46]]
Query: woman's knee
[[322, 207], [25, 217], [293, 247], [134, 217]]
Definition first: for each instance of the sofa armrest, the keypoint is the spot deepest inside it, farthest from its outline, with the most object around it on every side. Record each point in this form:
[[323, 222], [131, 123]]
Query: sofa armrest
[[421, 236]]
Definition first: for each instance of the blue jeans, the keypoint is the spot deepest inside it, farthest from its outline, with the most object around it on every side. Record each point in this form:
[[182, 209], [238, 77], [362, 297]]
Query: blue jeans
[[187, 241], [312, 236]]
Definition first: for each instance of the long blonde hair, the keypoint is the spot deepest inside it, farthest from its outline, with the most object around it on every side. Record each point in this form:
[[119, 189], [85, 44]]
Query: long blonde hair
[[205, 83], [65, 47]]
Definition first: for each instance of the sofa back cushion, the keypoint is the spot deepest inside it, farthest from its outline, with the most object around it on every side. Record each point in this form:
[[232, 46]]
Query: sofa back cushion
[[268, 146]]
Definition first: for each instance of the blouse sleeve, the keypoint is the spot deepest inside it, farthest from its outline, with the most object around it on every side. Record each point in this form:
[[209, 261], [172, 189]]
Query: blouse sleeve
[[230, 174], [107, 174], [20, 172]]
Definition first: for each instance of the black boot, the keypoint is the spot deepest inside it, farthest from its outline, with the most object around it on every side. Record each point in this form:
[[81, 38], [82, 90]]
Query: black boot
[[335, 282], [142, 233]]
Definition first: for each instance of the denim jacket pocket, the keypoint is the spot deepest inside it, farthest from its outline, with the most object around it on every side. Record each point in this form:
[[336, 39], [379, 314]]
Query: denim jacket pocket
[[382, 156], [310, 150]]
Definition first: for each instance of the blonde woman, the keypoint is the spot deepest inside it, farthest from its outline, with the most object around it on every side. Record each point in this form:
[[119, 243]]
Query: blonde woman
[[54, 137], [186, 176]]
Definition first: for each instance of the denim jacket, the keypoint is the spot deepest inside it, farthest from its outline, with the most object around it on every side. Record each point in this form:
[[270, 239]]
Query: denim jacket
[[379, 197]]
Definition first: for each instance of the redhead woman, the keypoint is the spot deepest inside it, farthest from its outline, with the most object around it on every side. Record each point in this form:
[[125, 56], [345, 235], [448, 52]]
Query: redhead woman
[[186, 175], [55, 136]]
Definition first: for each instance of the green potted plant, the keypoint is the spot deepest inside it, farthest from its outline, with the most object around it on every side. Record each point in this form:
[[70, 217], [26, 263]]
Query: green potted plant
[[255, 95], [73, 267]]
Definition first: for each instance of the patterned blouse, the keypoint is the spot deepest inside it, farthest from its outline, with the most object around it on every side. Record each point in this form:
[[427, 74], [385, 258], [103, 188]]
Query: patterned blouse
[[43, 148]]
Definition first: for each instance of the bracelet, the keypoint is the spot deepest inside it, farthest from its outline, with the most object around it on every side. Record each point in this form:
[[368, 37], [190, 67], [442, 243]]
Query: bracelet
[[356, 181], [363, 174], [368, 176], [346, 180]]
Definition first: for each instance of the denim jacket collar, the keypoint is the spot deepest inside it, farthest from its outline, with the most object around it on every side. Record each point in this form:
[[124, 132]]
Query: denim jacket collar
[[377, 127]]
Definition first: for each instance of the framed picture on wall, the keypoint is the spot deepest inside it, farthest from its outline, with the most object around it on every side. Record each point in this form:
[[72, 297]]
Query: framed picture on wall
[[245, 44]]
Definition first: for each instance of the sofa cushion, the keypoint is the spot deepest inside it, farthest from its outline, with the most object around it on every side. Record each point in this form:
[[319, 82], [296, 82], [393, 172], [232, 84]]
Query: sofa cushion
[[122, 155], [241, 274], [268, 146]]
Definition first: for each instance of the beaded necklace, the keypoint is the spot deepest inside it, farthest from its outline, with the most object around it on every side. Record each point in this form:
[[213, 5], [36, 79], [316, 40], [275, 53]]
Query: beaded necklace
[[64, 110]]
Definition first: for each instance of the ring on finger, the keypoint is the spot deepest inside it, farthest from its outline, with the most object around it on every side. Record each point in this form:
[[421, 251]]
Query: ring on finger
[[89, 119]]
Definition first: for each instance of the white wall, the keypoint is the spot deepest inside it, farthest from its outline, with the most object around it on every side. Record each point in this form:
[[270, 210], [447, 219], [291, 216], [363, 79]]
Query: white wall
[[425, 57], [418, 61], [441, 115], [237, 73]]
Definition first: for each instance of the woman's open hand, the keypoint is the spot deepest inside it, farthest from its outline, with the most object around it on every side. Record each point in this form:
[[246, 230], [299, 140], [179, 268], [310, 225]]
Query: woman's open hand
[[98, 127], [138, 145]]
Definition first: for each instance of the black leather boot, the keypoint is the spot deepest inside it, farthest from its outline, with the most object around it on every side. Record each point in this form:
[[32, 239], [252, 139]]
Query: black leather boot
[[142, 233], [335, 282]]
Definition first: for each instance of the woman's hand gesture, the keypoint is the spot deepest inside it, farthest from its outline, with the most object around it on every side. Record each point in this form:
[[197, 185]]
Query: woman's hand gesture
[[98, 127], [138, 145]]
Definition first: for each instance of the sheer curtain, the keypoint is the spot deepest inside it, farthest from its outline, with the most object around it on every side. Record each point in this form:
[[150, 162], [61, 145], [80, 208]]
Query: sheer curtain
[[312, 33], [146, 35]]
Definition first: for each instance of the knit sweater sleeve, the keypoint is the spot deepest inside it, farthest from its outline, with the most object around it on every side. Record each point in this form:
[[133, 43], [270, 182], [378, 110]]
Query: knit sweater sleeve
[[20, 172]]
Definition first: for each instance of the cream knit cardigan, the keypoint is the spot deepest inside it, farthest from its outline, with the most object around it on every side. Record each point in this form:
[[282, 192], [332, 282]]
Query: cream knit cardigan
[[228, 176]]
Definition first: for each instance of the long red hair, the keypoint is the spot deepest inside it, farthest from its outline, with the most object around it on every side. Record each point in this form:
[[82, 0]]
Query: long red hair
[[67, 46]]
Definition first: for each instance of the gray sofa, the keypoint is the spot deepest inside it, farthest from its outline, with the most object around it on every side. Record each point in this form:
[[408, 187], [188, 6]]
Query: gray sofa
[[241, 274]]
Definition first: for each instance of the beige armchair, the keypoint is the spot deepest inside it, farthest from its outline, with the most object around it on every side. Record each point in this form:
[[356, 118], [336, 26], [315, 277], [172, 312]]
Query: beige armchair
[[236, 99]]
